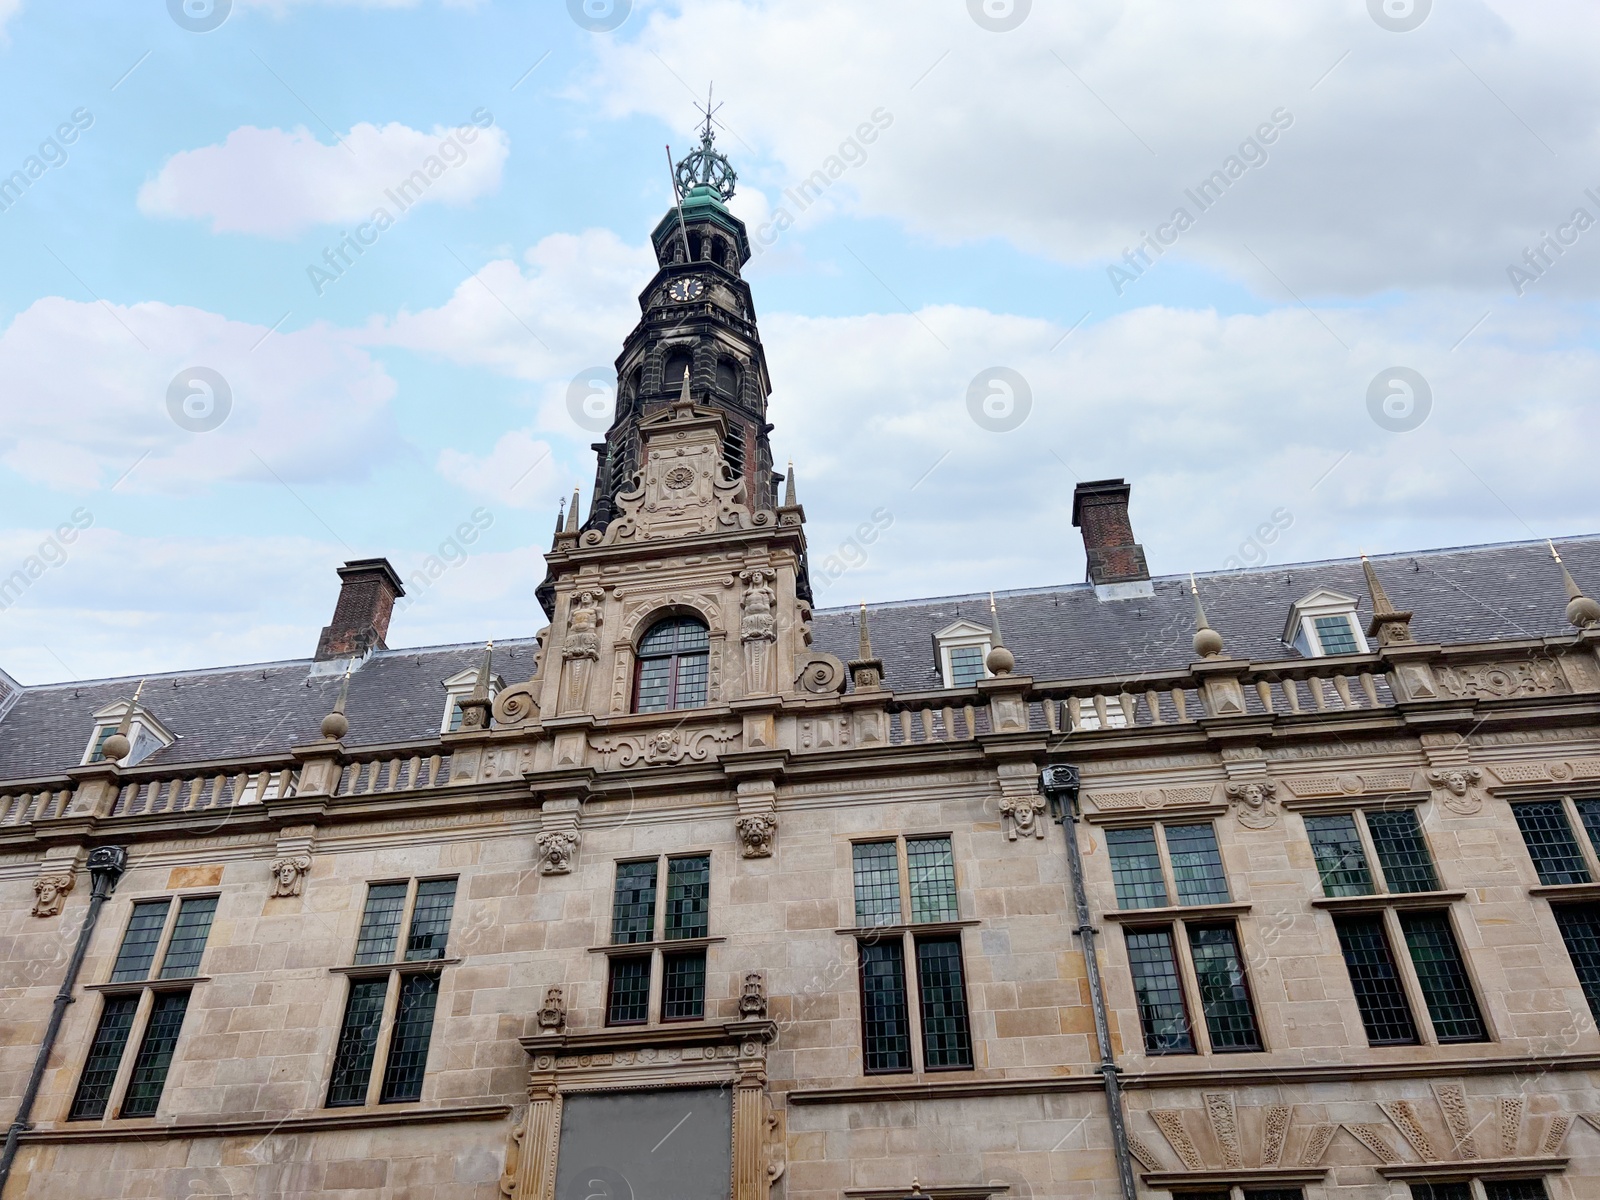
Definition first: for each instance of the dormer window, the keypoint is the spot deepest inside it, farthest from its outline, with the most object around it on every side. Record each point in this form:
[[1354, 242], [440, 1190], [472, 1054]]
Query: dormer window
[[146, 735], [960, 650], [456, 689], [1324, 623]]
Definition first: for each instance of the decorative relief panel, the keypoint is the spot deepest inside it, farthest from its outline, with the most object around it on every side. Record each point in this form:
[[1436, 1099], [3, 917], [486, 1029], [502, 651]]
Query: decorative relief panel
[[1312, 787], [1497, 681], [1168, 797], [665, 747]]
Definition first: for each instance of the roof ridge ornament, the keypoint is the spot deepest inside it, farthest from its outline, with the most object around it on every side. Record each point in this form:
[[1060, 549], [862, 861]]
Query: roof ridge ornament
[[335, 725], [1582, 612], [1389, 625], [999, 660], [1207, 641], [117, 747]]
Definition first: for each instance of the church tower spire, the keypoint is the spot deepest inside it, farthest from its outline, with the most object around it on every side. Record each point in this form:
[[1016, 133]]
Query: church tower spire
[[697, 326]]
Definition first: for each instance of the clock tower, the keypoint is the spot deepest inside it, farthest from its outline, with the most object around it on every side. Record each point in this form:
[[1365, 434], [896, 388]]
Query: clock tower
[[697, 320]]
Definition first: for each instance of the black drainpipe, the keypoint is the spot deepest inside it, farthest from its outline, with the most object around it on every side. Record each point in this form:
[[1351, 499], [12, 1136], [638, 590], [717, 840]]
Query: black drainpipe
[[106, 864], [1060, 785]]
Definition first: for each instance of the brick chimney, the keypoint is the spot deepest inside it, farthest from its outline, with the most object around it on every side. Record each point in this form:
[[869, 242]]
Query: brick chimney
[[361, 617], [1116, 562]]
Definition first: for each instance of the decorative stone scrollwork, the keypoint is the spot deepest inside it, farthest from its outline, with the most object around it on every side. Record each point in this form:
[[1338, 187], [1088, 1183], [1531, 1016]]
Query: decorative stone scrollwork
[[756, 833], [1456, 789], [753, 998], [1255, 803], [552, 1017], [821, 674], [1497, 681], [289, 875], [50, 893], [664, 748], [557, 847]]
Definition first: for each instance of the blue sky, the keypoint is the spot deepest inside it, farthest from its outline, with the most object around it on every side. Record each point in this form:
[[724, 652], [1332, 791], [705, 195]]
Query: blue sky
[[1407, 171]]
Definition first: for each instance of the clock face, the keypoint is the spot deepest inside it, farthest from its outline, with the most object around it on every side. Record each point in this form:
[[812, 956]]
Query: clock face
[[684, 290]]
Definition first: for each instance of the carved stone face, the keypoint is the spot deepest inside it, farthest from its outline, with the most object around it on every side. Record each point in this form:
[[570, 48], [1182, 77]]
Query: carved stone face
[[287, 874], [48, 891], [1254, 795], [1456, 782]]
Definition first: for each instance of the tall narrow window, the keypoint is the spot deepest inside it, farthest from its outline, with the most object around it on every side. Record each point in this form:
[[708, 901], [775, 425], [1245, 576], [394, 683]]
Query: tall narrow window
[[188, 941], [1580, 930], [1224, 994], [1401, 851], [1589, 814], [1163, 1014], [628, 1001], [1443, 977], [1196, 864], [1341, 860], [633, 905], [946, 1037], [1379, 993], [684, 917], [931, 867], [140, 941], [105, 1056], [683, 986], [672, 666], [423, 908], [885, 1024], [877, 883], [380, 922], [1136, 868], [1550, 841], [155, 1054], [688, 896]]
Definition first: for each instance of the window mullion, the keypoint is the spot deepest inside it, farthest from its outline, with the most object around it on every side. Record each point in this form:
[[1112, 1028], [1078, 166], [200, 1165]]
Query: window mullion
[[130, 1052], [1400, 951], [903, 869], [658, 971], [658, 921], [1581, 835], [1168, 875], [380, 1048], [1380, 878], [1199, 1027], [913, 995], [167, 928]]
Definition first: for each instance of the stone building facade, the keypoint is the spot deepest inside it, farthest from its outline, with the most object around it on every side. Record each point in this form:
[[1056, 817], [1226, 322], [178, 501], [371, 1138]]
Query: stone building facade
[[703, 892]]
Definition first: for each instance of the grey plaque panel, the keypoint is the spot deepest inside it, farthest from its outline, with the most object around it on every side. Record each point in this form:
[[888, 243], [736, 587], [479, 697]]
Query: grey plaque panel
[[674, 1144]]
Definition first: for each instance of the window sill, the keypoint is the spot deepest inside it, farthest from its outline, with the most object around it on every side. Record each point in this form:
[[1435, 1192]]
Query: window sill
[[1381, 900], [1245, 1176], [1567, 891], [630, 949], [155, 985], [1173, 912], [1476, 1168], [896, 930], [420, 966]]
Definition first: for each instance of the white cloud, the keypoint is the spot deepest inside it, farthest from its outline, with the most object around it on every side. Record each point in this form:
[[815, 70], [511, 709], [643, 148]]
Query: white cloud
[[86, 391], [1430, 157], [278, 183], [519, 472]]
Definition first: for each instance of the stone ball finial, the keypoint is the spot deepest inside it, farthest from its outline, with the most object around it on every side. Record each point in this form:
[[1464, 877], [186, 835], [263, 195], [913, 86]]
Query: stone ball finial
[[1000, 661], [1207, 642], [335, 725], [1583, 612], [115, 748]]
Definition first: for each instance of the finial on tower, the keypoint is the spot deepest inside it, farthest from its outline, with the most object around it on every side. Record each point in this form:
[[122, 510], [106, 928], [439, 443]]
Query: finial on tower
[[1389, 626], [335, 725], [706, 167], [1207, 641], [999, 660], [788, 487], [116, 747], [572, 513], [1582, 612], [866, 672]]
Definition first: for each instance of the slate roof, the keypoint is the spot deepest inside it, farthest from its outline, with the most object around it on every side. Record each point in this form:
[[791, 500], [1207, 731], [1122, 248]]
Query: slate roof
[[1466, 594]]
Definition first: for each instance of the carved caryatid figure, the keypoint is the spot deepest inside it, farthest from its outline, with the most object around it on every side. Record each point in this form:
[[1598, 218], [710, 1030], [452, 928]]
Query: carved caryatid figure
[[758, 630], [580, 650]]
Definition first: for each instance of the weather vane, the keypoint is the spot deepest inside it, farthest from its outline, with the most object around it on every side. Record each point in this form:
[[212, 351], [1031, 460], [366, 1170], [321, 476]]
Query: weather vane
[[705, 166], [707, 134]]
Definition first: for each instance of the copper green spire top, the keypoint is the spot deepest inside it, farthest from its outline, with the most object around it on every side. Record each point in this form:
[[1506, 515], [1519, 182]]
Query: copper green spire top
[[706, 167]]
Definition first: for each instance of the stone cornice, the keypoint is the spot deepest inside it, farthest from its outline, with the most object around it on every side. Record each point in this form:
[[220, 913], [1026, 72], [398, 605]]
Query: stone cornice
[[387, 1115]]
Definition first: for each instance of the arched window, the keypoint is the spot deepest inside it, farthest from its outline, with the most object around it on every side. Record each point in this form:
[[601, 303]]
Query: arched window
[[677, 366], [672, 666], [728, 377]]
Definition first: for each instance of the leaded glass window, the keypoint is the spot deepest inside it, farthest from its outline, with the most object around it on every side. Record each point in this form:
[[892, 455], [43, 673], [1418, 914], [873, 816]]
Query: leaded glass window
[[1550, 841], [1163, 1015], [1443, 977], [672, 666], [105, 1056], [1224, 995], [139, 943], [155, 1054], [1402, 853], [408, 1042], [1458, 1189], [628, 995], [885, 1020], [380, 922], [1580, 930], [683, 986], [633, 905], [932, 870], [688, 896], [946, 1038], [358, 1040], [430, 919], [1514, 1189], [189, 933], [1196, 864], [1379, 994], [1337, 635], [1136, 867], [876, 868], [1589, 814], [966, 665], [1341, 860]]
